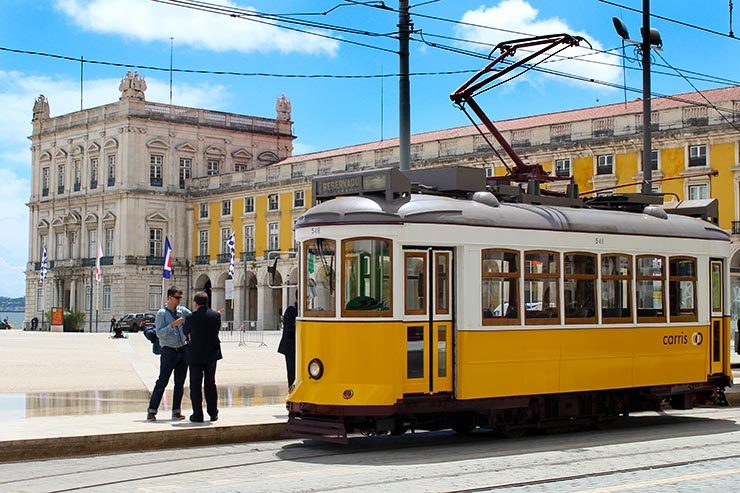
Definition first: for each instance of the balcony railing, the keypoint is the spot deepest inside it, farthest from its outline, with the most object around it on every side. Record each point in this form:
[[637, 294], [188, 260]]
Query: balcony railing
[[111, 182], [154, 260], [224, 258], [736, 227], [106, 260], [49, 265], [44, 192], [88, 262], [248, 256], [93, 184], [155, 182], [182, 183], [60, 189], [202, 260]]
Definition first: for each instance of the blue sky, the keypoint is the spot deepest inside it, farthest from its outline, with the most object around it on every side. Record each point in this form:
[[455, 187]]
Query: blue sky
[[328, 112]]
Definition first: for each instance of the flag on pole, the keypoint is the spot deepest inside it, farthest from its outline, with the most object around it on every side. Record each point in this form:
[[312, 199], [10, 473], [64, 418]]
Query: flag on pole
[[98, 270], [231, 243], [44, 267], [167, 270]]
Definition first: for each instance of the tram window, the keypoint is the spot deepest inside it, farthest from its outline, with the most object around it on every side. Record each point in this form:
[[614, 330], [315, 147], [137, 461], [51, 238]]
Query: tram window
[[499, 287], [650, 277], [318, 267], [366, 277], [616, 289], [682, 289], [580, 288], [541, 276], [415, 352], [442, 286], [415, 287]]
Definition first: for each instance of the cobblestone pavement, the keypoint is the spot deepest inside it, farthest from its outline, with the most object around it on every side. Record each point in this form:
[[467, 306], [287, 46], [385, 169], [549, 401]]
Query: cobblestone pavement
[[695, 450]]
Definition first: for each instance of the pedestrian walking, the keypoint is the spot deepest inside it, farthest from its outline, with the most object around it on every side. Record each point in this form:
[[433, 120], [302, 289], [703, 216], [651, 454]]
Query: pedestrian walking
[[287, 341], [168, 323], [203, 351]]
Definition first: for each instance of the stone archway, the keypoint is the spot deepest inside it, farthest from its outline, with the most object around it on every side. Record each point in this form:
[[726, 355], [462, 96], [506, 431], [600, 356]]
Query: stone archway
[[272, 301], [251, 311], [203, 283]]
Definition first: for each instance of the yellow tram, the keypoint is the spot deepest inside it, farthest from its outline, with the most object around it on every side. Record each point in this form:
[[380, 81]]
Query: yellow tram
[[428, 302]]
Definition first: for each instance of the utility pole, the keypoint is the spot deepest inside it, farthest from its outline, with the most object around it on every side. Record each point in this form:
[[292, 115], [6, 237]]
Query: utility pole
[[647, 151], [404, 105]]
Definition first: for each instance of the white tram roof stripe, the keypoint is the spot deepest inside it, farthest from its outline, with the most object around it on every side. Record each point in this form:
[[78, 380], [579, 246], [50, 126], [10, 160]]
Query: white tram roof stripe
[[432, 209]]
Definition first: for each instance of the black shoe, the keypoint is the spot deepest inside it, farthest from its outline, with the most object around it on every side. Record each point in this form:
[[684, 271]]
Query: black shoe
[[196, 419], [177, 417], [214, 417], [151, 417]]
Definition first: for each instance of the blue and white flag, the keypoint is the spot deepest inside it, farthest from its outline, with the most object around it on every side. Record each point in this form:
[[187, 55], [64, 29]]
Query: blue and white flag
[[44, 267], [231, 243], [167, 268]]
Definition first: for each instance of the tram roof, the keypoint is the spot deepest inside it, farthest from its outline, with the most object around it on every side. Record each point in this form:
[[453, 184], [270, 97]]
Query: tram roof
[[436, 209]]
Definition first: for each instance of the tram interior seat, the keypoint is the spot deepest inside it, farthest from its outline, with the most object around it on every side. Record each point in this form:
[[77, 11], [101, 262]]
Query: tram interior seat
[[365, 303]]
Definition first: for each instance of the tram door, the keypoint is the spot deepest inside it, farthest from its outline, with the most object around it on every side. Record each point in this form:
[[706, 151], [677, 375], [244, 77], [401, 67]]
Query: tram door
[[428, 320], [716, 330]]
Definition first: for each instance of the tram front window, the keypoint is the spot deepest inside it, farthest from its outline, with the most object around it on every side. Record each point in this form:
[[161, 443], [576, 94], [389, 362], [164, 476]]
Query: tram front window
[[366, 277], [319, 294]]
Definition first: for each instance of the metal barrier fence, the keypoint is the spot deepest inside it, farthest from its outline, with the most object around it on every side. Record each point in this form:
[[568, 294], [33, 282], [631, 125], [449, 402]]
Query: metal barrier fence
[[245, 333]]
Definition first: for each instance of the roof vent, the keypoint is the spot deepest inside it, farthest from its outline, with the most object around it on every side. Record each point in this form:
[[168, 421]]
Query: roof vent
[[655, 211], [486, 198]]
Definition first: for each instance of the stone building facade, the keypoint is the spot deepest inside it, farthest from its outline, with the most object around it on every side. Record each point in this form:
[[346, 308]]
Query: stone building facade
[[259, 189]]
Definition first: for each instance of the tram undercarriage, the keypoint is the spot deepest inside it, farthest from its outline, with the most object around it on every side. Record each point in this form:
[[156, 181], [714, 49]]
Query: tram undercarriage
[[509, 416]]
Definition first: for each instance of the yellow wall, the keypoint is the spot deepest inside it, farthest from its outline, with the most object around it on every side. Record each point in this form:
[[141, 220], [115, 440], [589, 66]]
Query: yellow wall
[[722, 157], [625, 167], [583, 169], [260, 225], [214, 230], [672, 163]]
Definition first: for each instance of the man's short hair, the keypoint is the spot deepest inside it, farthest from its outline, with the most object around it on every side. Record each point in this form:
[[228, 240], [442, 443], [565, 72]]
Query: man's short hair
[[173, 291], [201, 298]]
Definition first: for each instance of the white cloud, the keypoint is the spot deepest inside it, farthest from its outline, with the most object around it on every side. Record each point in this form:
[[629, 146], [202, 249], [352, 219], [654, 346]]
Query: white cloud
[[520, 16], [301, 148], [201, 30], [17, 94]]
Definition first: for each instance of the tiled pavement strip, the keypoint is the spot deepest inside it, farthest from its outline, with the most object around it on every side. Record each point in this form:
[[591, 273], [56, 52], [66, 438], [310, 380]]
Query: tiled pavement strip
[[27, 438]]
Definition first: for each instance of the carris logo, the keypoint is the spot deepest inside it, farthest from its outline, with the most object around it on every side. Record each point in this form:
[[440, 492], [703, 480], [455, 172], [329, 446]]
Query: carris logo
[[697, 338]]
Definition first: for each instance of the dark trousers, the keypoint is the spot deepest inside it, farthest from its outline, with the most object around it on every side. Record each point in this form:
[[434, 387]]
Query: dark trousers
[[203, 377], [171, 360], [290, 367]]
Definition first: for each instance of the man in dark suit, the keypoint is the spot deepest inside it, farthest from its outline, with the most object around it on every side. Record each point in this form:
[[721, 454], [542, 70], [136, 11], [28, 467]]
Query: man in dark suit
[[203, 351], [287, 341]]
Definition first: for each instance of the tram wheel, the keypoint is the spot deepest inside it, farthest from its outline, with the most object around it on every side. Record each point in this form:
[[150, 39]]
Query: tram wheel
[[464, 424]]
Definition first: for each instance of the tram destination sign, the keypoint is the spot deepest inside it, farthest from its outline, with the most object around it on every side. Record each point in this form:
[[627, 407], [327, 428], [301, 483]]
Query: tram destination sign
[[387, 181]]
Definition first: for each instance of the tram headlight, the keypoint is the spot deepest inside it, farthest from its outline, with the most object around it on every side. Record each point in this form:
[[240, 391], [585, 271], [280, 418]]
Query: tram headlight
[[315, 368]]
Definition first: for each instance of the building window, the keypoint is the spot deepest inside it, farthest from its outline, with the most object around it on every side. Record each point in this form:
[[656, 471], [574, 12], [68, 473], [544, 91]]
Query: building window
[[212, 167], [226, 207], [249, 238], [155, 297], [92, 243], [109, 242], [698, 155], [45, 182], [59, 252], [73, 253], [273, 202], [155, 169], [654, 154], [155, 242], [111, 170], [562, 167], [78, 175], [682, 289], [499, 287], [650, 276], [203, 243], [93, 172], [698, 192], [299, 198], [489, 172], [203, 209], [60, 178], [186, 165], [106, 297], [605, 164], [239, 167], [295, 242], [248, 205], [541, 292], [225, 235], [579, 271], [273, 236]]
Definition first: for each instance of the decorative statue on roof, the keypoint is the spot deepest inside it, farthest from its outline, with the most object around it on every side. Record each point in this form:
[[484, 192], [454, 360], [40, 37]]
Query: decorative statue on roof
[[41, 108], [132, 86], [283, 108]]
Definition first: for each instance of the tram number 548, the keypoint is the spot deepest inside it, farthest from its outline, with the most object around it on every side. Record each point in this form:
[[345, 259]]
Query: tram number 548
[[599, 240]]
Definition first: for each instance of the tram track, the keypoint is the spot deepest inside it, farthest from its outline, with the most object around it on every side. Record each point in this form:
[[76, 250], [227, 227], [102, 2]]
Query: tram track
[[318, 453]]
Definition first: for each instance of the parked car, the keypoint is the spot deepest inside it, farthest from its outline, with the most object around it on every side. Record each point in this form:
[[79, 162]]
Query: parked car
[[133, 322]]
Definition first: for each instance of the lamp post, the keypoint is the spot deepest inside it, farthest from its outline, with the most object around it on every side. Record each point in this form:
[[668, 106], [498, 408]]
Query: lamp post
[[650, 37]]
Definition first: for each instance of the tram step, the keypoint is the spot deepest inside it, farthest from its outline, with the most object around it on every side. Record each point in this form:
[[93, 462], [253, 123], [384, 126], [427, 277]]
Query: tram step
[[327, 430]]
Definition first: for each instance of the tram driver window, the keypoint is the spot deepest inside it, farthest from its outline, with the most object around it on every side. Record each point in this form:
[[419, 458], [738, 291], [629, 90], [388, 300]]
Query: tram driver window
[[580, 288], [500, 287], [541, 276], [319, 291], [682, 289], [650, 277], [366, 277]]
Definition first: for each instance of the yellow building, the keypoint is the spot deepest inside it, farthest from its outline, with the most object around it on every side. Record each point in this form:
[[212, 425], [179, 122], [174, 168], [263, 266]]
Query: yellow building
[[599, 147]]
